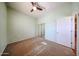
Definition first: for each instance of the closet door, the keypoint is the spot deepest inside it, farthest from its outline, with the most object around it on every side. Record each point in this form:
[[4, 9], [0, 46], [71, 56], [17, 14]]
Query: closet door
[[64, 31]]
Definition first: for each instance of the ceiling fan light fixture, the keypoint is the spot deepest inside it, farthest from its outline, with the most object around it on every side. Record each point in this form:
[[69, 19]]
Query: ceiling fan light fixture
[[34, 8]]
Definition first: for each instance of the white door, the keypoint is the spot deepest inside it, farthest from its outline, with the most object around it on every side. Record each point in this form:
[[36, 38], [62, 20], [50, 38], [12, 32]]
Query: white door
[[64, 31]]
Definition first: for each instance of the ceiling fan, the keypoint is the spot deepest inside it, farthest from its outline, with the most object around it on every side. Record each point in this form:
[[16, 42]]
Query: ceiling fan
[[36, 6]]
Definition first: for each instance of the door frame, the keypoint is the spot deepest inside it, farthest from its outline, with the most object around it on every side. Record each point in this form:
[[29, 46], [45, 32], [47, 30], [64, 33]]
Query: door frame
[[75, 35]]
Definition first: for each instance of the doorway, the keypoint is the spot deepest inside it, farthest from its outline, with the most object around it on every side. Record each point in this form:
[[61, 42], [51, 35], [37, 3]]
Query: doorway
[[41, 30]]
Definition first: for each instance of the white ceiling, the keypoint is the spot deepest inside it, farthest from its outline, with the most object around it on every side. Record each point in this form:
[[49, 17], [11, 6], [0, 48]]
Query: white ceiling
[[25, 7]]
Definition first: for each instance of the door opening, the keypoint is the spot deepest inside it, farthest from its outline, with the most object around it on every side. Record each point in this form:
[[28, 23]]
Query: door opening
[[41, 30]]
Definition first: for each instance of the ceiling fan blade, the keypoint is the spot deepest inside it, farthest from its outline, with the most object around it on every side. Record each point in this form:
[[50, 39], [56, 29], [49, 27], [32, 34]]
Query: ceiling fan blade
[[39, 8], [32, 10], [38, 5], [32, 3]]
